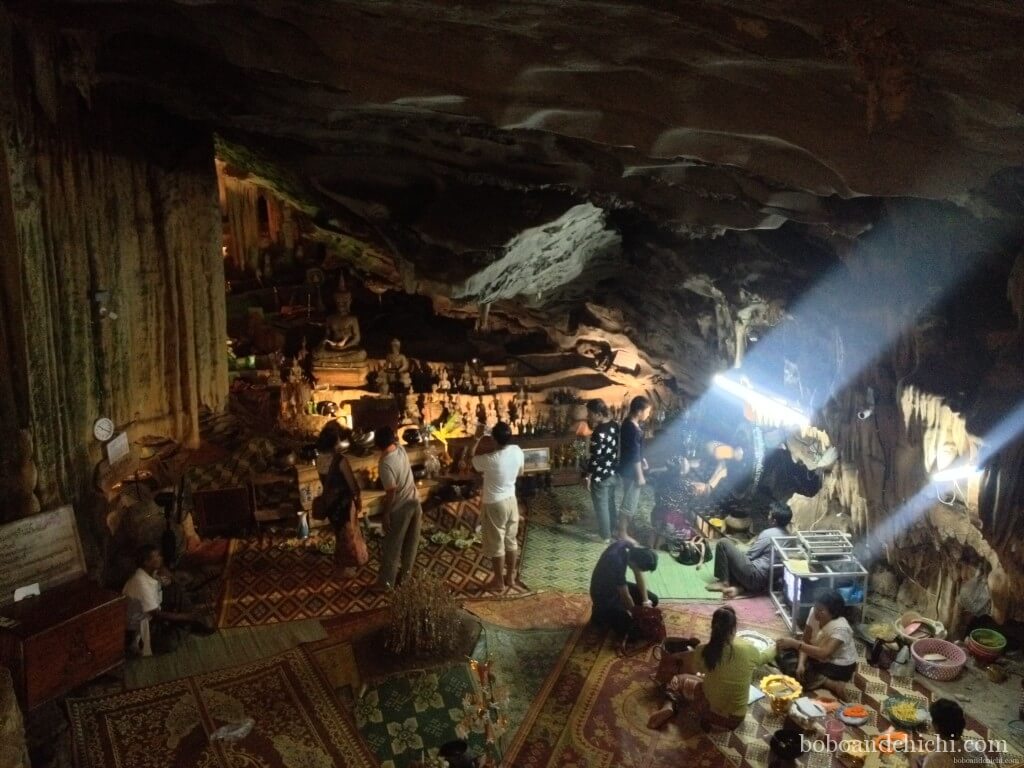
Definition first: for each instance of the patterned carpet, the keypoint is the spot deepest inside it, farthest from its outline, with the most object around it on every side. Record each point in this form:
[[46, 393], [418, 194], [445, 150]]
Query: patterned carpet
[[593, 709], [298, 721], [523, 659], [409, 715], [542, 610], [270, 581], [406, 714]]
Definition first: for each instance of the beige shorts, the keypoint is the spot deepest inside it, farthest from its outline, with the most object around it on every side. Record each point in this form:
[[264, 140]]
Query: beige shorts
[[500, 524]]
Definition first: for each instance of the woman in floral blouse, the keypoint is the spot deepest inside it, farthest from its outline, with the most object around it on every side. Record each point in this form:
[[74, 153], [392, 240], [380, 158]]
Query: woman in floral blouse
[[599, 475]]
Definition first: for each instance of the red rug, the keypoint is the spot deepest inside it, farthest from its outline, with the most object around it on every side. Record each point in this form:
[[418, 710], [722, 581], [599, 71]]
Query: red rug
[[270, 581], [592, 713], [298, 721]]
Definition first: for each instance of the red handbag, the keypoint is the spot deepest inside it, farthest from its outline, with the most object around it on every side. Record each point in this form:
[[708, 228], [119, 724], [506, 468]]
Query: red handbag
[[648, 624]]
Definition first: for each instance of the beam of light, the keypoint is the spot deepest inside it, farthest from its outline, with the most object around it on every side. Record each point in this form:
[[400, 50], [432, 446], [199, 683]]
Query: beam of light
[[1007, 430], [962, 472], [764, 404]]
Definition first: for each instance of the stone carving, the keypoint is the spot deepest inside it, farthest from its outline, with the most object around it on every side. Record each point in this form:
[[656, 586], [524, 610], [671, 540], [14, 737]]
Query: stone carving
[[343, 337], [396, 367]]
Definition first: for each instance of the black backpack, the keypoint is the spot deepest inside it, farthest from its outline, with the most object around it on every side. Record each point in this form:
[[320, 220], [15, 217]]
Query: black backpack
[[694, 552]]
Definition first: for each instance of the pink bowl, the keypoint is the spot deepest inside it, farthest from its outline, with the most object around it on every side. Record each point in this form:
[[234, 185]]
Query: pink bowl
[[938, 670]]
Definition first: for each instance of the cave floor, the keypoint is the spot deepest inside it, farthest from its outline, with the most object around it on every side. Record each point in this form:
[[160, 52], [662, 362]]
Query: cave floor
[[991, 703], [995, 704]]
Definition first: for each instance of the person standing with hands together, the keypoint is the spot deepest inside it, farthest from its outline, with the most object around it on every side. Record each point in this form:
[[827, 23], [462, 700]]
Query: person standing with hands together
[[500, 462], [401, 512], [632, 464]]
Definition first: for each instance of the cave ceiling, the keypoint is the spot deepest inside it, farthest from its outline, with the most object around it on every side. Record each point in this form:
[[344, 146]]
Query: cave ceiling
[[594, 157]]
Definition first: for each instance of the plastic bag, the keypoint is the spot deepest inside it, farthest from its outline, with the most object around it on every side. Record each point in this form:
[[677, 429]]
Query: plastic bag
[[233, 731], [904, 665], [975, 597]]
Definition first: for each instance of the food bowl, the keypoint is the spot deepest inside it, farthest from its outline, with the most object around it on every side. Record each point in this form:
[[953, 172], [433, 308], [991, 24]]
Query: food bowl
[[786, 744], [904, 712], [913, 626], [981, 653], [989, 640], [854, 714], [734, 523], [949, 668], [781, 691]]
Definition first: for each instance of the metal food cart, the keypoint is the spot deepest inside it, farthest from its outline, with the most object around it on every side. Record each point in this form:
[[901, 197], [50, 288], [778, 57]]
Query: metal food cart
[[803, 565]]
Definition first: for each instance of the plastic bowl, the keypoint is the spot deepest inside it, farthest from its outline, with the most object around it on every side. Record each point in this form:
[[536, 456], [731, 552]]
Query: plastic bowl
[[980, 652], [989, 639]]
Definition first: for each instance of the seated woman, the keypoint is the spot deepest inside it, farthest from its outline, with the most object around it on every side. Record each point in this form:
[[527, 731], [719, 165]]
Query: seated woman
[[827, 649], [612, 596], [679, 497], [715, 677]]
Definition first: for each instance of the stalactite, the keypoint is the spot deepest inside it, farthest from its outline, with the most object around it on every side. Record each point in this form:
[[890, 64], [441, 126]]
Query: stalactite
[[94, 210]]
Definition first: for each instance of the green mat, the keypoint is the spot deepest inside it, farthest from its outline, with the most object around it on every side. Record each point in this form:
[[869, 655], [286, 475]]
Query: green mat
[[522, 658], [227, 648], [563, 557], [413, 714]]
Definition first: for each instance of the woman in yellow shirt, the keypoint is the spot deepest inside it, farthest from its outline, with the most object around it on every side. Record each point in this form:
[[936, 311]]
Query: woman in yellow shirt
[[717, 677]]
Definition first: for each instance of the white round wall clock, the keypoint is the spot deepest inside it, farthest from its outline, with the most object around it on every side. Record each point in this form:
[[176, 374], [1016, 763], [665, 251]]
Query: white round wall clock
[[103, 429]]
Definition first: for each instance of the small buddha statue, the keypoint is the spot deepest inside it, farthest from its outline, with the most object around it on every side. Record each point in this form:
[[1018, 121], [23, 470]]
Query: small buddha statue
[[443, 384], [343, 336], [396, 366]]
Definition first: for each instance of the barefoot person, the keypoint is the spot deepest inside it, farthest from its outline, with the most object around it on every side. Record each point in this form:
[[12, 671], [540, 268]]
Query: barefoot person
[[400, 511], [716, 678], [632, 464], [614, 597], [738, 572], [599, 476], [500, 465], [159, 613], [827, 649]]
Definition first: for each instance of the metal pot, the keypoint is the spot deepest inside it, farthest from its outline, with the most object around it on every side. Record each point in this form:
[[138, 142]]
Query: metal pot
[[286, 459], [411, 436]]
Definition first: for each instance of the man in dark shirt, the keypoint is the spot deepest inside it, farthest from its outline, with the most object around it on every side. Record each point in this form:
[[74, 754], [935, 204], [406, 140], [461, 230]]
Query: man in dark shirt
[[737, 571], [632, 464], [614, 597], [599, 476]]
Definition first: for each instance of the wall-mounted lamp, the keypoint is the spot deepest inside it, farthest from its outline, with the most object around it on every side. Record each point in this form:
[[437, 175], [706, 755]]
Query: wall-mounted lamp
[[769, 406]]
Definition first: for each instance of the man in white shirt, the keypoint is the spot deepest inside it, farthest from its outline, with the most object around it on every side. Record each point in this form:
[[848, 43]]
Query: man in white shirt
[[157, 607], [499, 516]]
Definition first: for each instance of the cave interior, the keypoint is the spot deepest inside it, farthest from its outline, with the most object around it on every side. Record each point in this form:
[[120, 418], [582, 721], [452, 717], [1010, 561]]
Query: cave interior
[[544, 203]]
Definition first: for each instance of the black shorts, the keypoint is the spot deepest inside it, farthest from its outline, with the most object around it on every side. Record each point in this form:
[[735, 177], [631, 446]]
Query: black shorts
[[841, 672]]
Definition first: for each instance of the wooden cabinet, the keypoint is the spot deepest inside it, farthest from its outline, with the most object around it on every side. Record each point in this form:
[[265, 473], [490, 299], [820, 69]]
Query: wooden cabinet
[[61, 639]]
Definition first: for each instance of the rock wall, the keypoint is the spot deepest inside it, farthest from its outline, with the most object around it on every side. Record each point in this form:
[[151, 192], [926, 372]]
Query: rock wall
[[933, 551], [112, 253]]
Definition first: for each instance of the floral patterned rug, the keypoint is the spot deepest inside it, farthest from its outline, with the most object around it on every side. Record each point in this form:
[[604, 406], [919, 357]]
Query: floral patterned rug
[[409, 716], [298, 721]]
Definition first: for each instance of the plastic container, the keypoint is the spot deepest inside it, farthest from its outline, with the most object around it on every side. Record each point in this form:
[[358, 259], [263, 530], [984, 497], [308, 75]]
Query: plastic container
[[834, 729], [938, 670], [989, 639]]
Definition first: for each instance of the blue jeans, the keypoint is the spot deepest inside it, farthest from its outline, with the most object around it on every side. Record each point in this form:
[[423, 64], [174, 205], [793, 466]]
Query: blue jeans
[[630, 496], [602, 494]]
